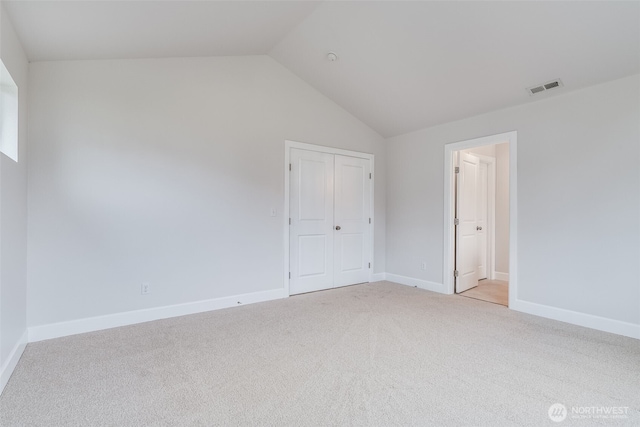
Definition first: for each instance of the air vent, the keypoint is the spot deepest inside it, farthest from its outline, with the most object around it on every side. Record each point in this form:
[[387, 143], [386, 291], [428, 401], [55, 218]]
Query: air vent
[[544, 87]]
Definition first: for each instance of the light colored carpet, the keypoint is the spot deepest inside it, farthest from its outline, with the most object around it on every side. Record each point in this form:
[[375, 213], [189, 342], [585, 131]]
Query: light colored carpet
[[495, 291], [377, 354]]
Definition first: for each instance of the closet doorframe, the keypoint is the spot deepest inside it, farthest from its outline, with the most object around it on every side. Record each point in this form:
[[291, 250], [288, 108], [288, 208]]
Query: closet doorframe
[[288, 145]]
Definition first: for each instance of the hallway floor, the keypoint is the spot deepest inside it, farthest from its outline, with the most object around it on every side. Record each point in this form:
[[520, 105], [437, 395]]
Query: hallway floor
[[495, 291]]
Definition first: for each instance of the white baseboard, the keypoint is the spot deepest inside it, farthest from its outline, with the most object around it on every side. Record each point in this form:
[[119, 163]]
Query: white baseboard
[[378, 277], [419, 283], [90, 324], [79, 326], [497, 275], [576, 318], [8, 367]]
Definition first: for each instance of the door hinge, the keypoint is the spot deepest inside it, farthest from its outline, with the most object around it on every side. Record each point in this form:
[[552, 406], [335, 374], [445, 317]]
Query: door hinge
[[289, 275], [369, 220], [289, 221], [289, 167], [369, 175], [457, 169], [456, 221], [455, 273], [369, 265]]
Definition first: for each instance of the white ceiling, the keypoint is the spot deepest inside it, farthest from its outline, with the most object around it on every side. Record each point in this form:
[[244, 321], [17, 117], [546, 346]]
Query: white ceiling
[[402, 65], [90, 29], [406, 66]]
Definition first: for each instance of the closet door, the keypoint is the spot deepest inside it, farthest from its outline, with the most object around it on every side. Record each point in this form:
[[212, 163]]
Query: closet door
[[311, 235], [352, 229]]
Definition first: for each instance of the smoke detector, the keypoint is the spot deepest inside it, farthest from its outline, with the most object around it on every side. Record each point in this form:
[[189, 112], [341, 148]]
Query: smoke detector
[[332, 56], [553, 84]]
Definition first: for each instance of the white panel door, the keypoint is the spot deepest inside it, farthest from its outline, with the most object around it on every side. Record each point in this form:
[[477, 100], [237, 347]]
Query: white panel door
[[352, 228], [311, 211], [482, 221], [466, 232]]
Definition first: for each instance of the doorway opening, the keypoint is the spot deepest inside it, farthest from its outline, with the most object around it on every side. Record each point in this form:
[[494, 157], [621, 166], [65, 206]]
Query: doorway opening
[[480, 221]]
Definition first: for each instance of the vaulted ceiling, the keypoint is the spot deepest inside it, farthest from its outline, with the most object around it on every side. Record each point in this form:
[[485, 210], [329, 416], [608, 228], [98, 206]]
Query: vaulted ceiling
[[401, 66]]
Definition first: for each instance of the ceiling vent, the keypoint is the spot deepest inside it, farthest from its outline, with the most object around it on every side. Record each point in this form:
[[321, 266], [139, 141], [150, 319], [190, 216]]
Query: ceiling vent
[[545, 87]]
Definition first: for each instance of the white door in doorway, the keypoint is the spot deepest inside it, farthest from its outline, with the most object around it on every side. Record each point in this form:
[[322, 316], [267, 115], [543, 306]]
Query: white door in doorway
[[329, 209], [466, 231], [482, 219]]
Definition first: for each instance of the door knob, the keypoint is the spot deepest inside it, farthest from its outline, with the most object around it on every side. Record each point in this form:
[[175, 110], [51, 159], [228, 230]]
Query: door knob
[[337, 227], [478, 228]]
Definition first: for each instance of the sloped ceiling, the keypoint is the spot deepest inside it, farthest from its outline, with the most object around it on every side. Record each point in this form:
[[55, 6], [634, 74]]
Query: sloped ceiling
[[93, 29], [401, 66]]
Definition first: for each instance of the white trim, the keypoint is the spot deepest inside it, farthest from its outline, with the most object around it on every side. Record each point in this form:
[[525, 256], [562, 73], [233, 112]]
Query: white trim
[[418, 283], [12, 361], [73, 327], [513, 219], [286, 213], [576, 318], [558, 314], [288, 145], [499, 275], [378, 277], [329, 150], [448, 247], [98, 323]]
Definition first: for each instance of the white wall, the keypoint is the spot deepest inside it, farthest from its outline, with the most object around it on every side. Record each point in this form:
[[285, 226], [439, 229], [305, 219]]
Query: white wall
[[13, 213], [165, 170], [578, 198], [484, 150]]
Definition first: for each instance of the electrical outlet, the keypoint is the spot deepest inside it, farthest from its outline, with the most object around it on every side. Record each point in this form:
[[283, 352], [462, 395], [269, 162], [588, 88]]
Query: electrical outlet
[[423, 265], [145, 288]]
